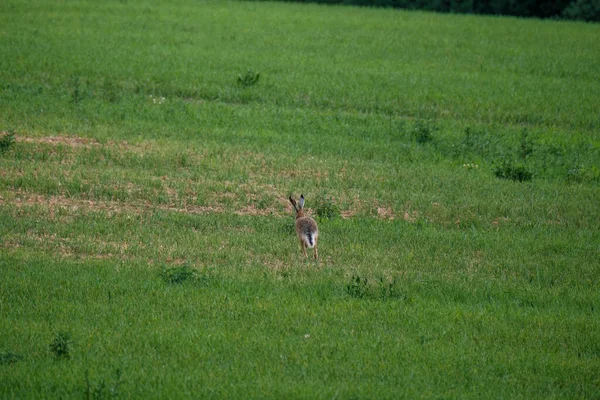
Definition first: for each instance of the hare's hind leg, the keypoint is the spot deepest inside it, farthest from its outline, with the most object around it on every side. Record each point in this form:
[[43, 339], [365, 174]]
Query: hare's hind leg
[[316, 252], [303, 245]]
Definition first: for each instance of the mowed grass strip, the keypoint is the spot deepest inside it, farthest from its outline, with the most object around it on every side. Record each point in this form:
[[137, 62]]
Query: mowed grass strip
[[71, 169]]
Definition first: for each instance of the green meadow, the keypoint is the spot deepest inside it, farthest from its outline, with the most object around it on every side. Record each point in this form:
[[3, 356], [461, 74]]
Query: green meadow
[[147, 246]]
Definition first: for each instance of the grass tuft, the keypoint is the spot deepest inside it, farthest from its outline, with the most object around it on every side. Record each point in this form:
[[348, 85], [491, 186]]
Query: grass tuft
[[423, 132], [7, 140], [181, 274], [60, 347], [250, 78], [8, 357], [513, 171]]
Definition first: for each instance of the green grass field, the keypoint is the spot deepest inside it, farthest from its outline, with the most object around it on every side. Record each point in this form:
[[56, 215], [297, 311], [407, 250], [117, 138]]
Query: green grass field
[[147, 247]]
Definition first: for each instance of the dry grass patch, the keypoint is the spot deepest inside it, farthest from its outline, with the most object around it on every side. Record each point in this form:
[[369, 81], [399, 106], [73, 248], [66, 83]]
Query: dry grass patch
[[79, 142], [66, 140], [385, 213], [62, 206], [54, 204], [57, 203], [253, 211], [262, 195]]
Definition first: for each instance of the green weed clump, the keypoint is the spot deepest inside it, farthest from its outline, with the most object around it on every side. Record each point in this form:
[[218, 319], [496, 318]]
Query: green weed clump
[[178, 275], [9, 357], [250, 78], [513, 171], [7, 140], [423, 132], [60, 347]]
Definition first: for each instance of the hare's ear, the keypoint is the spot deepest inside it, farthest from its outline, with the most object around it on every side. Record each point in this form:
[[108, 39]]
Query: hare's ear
[[301, 201], [293, 203]]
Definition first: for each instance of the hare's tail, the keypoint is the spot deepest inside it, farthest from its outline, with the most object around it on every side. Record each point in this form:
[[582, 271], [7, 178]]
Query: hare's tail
[[310, 239]]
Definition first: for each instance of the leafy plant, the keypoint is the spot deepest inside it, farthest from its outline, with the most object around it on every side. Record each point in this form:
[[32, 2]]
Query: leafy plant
[[60, 347], [250, 78], [357, 287], [8, 357], [177, 275], [512, 171], [7, 140], [423, 132]]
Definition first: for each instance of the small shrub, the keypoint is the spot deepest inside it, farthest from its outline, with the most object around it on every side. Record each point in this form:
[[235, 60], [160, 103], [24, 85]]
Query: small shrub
[[183, 273], [178, 275], [60, 347], [8, 357], [7, 140], [512, 171], [423, 132], [327, 209], [249, 79], [358, 287]]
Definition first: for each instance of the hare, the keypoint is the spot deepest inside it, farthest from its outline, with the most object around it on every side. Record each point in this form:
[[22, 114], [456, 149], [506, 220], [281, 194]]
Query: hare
[[306, 228]]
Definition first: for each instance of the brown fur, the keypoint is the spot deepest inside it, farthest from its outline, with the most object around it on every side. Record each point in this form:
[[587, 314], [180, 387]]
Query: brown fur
[[305, 227]]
